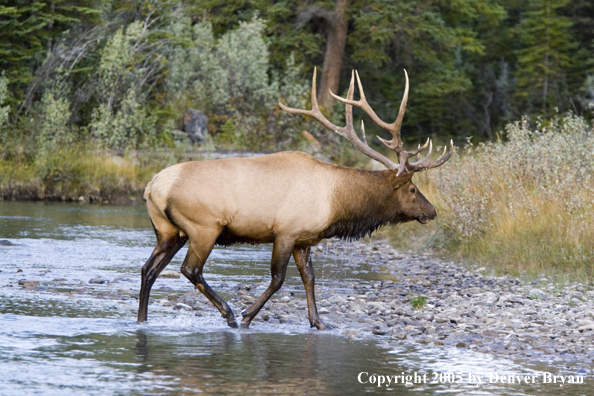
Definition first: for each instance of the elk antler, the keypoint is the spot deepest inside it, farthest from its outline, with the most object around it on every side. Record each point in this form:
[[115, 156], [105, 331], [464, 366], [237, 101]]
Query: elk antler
[[394, 144]]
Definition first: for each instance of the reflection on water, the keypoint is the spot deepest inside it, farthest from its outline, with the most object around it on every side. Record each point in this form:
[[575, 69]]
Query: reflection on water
[[70, 337]]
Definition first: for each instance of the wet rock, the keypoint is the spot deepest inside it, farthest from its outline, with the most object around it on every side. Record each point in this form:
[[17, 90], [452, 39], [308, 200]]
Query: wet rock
[[97, 281], [356, 306], [172, 297], [29, 285], [6, 242], [166, 303], [182, 306], [169, 274], [379, 331], [288, 319]]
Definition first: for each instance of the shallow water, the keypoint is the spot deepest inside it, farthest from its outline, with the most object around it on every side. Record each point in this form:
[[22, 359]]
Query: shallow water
[[71, 337]]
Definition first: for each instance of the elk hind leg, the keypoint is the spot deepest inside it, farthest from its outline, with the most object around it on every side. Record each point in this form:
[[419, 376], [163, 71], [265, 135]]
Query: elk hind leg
[[166, 248], [281, 253], [303, 260], [193, 266]]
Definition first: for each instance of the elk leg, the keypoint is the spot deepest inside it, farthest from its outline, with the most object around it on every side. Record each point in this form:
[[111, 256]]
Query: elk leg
[[192, 269], [281, 253], [161, 256], [303, 260]]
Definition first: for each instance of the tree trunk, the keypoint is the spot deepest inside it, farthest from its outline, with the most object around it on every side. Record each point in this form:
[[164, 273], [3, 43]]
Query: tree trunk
[[545, 85], [335, 43]]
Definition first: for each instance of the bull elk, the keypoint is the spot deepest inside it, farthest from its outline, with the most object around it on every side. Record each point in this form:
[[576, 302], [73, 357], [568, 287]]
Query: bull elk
[[289, 199]]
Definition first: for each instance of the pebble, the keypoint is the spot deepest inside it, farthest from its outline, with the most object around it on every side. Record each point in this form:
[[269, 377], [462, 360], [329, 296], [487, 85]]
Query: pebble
[[169, 274], [29, 285]]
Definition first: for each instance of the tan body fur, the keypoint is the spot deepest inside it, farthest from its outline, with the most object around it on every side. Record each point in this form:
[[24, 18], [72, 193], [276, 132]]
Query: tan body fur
[[235, 194]]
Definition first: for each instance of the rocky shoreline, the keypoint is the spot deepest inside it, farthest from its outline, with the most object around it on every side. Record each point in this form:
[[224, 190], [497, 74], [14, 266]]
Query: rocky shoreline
[[455, 306]]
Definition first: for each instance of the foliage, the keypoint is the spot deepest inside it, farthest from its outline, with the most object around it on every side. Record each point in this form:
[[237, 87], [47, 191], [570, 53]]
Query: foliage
[[65, 174], [54, 116], [129, 62], [229, 78], [418, 302], [4, 110], [473, 65], [128, 127]]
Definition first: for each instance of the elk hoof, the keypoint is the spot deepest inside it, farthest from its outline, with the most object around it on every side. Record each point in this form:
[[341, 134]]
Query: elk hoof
[[232, 324], [244, 325], [321, 326]]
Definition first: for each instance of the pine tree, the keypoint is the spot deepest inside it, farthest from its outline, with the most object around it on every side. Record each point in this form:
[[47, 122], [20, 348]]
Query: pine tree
[[545, 56], [28, 32]]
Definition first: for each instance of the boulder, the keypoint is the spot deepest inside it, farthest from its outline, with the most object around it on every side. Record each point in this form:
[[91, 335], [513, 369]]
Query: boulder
[[195, 125]]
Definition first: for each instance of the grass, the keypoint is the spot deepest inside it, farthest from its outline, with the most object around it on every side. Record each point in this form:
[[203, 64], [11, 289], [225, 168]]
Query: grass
[[524, 206], [418, 302], [70, 172]]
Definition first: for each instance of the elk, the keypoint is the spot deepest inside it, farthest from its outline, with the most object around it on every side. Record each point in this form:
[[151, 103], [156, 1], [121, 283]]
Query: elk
[[289, 199]]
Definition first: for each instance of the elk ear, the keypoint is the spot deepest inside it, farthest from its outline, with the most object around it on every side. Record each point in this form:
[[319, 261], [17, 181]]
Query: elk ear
[[399, 180]]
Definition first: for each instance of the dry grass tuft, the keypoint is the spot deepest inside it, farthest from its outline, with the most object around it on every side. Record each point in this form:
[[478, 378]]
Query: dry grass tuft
[[70, 172]]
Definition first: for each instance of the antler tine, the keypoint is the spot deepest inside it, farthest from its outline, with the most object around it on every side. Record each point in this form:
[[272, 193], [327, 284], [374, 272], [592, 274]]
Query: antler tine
[[423, 165], [363, 132], [315, 109], [348, 131], [415, 162], [395, 143]]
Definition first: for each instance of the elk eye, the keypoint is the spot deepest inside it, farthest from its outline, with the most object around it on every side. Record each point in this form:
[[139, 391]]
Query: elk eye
[[412, 190]]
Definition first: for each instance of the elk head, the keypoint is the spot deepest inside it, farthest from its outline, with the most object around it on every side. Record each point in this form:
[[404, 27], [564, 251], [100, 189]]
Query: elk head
[[411, 203]]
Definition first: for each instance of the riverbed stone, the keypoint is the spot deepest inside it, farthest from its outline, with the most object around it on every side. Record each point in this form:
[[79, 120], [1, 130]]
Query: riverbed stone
[[169, 274], [97, 281], [29, 284]]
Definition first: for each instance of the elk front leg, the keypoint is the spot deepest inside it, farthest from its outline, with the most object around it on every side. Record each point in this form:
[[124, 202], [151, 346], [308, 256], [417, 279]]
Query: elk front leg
[[161, 256], [192, 269], [303, 260], [281, 253]]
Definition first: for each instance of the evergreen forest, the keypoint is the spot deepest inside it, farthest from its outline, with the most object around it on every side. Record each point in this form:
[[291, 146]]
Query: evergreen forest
[[121, 73]]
